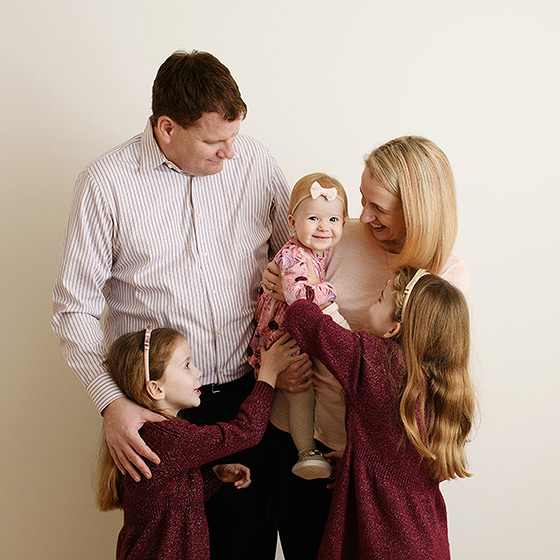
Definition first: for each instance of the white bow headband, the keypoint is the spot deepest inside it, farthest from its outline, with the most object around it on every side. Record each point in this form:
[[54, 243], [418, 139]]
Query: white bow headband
[[315, 191]]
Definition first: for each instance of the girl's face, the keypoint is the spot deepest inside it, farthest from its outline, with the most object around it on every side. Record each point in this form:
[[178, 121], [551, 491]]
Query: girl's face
[[381, 312], [317, 223], [181, 380], [383, 212]]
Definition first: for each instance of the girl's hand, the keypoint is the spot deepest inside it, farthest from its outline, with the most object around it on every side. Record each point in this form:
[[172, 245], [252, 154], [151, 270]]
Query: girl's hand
[[277, 358], [240, 475], [333, 457], [272, 281]]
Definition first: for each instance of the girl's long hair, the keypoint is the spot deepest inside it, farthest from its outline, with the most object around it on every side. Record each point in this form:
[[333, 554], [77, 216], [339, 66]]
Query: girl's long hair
[[125, 363], [437, 398]]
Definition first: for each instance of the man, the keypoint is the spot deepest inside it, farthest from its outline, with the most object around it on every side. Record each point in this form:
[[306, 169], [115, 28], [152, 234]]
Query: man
[[173, 228]]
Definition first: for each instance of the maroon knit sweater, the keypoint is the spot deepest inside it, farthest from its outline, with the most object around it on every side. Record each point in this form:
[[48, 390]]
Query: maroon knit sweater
[[164, 516], [385, 504]]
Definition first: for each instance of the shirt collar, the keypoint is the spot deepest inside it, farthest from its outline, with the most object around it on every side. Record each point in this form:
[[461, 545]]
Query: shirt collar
[[150, 154]]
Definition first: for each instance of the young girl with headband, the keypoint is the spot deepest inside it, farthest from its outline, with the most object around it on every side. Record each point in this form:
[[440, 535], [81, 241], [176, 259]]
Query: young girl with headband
[[317, 212], [164, 515], [410, 406]]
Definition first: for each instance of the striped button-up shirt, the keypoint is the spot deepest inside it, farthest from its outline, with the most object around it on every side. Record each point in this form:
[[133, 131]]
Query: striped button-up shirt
[[158, 246]]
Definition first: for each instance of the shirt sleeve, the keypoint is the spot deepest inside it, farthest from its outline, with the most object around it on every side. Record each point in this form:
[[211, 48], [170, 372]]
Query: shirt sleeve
[[455, 271], [279, 210], [78, 299], [294, 270], [210, 481]]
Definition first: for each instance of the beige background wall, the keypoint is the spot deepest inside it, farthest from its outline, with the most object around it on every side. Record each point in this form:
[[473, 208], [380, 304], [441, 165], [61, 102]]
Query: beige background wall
[[325, 82]]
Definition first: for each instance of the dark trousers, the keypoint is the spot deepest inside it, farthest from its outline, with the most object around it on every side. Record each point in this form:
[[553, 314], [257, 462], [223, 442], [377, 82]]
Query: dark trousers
[[301, 507], [240, 521]]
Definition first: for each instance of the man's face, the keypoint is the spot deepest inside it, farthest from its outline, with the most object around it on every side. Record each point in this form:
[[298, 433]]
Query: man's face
[[200, 149]]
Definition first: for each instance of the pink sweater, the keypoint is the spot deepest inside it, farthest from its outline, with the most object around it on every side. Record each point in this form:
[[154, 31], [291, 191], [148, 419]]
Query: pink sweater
[[385, 504], [164, 516]]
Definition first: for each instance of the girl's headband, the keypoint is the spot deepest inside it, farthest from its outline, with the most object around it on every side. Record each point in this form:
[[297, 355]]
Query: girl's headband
[[315, 191], [419, 273], [147, 337]]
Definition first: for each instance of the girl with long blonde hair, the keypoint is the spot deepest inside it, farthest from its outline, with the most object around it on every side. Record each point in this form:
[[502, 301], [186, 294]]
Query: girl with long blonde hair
[[410, 406]]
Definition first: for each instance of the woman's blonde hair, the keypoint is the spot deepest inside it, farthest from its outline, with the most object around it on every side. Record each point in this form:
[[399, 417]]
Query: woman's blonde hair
[[418, 173], [125, 363], [437, 398], [301, 190]]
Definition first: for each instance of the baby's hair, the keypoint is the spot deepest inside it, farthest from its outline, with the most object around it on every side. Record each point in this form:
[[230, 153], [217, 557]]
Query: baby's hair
[[302, 187], [437, 398], [125, 363]]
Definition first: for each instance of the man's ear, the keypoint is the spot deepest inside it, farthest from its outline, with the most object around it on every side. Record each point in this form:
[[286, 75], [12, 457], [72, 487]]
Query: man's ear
[[292, 222], [155, 390], [395, 330], [165, 128]]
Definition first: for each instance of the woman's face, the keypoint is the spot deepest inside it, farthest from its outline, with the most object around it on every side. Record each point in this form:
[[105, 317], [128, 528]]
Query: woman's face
[[383, 212]]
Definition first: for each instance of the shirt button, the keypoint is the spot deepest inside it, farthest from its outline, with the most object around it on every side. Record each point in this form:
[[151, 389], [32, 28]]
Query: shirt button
[[205, 254], [218, 332]]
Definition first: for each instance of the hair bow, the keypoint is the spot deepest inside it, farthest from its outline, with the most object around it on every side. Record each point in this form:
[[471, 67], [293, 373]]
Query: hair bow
[[317, 190]]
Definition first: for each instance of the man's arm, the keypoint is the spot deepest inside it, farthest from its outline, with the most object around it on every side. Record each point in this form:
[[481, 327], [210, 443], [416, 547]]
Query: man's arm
[[78, 303], [279, 212], [122, 420]]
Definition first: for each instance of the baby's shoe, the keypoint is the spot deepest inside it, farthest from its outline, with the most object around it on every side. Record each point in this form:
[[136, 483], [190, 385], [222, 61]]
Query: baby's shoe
[[311, 464]]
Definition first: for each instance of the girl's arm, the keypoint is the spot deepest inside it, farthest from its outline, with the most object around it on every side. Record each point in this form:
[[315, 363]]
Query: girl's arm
[[296, 274], [340, 350], [182, 446]]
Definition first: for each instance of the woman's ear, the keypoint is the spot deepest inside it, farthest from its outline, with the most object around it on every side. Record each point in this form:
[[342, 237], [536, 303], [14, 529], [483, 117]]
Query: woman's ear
[[292, 223], [155, 390], [393, 331]]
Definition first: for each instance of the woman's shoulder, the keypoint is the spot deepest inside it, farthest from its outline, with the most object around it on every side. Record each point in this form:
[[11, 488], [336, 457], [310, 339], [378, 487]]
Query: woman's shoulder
[[455, 271]]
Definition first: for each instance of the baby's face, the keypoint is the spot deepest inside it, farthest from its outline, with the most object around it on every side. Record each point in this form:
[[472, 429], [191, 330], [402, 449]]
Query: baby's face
[[317, 223]]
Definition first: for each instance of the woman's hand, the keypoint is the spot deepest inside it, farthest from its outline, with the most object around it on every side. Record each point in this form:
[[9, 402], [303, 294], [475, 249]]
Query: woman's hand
[[240, 475], [277, 358], [272, 282], [297, 377], [122, 420]]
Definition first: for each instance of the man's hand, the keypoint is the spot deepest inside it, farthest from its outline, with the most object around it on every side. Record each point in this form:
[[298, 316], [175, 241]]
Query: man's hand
[[122, 420], [297, 377]]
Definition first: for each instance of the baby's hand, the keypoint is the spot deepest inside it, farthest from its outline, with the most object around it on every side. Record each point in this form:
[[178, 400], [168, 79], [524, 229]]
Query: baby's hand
[[277, 358], [240, 475]]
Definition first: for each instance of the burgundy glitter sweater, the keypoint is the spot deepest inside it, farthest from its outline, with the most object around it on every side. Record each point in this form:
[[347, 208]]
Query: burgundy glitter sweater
[[385, 504], [164, 516]]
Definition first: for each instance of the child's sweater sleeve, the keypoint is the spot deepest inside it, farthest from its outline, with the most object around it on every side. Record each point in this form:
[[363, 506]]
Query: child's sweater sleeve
[[211, 482], [339, 349], [294, 270], [182, 446]]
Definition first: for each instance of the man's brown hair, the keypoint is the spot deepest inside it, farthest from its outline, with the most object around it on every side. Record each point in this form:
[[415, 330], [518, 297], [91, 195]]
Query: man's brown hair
[[191, 83]]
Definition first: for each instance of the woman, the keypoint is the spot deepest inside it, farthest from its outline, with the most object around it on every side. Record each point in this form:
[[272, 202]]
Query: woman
[[409, 217]]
